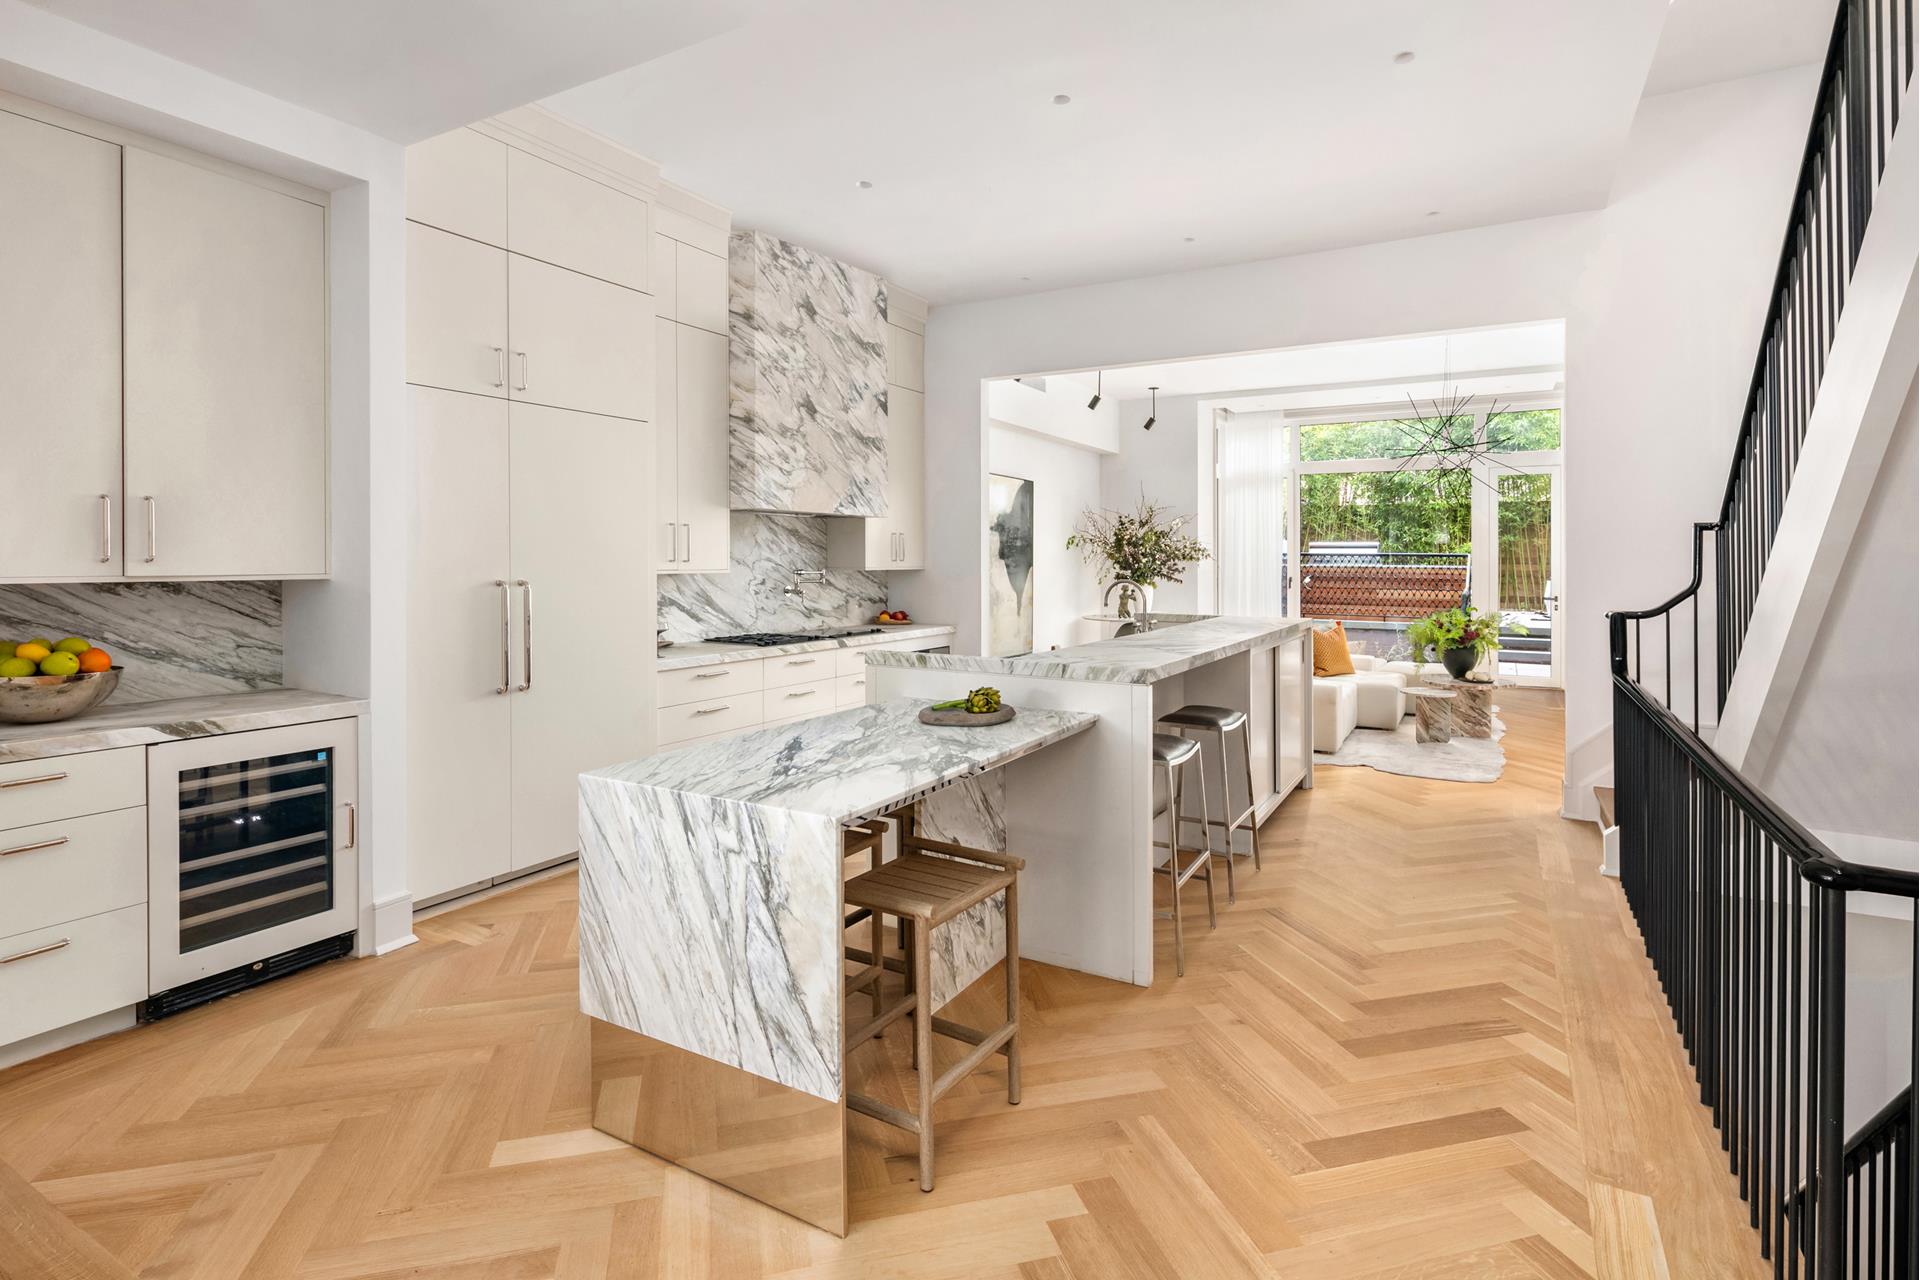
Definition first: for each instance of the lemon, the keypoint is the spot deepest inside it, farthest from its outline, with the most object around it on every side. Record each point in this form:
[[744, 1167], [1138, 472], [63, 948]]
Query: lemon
[[72, 644], [32, 651], [6, 649], [11, 667]]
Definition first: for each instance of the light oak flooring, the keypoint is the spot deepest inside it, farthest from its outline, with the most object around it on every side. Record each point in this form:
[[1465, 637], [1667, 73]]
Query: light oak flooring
[[1424, 1044]]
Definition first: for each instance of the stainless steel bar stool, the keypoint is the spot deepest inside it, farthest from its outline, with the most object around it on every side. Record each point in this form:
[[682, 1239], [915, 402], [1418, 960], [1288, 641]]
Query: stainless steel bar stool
[[1172, 755], [1220, 721]]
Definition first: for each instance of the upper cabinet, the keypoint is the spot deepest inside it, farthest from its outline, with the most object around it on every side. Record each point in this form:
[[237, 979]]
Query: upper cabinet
[[557, 216], [226, 371], [808, 376], [458, 182], [692, 395], [165, 317], [895, 539]]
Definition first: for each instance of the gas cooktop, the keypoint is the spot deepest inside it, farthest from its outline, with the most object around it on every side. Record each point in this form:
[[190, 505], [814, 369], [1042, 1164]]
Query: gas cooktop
[[768, 639]]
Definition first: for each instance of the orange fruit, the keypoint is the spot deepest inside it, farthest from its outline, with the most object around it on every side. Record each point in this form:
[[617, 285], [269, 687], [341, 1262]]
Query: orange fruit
[[95, 659]]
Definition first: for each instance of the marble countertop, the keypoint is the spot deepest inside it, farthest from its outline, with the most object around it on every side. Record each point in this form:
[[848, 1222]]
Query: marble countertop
[[136, 724], [703, 653], [1167, 650], [848, 764]]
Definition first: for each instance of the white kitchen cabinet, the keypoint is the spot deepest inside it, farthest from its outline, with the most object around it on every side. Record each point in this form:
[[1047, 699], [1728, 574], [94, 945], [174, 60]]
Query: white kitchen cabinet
[[572, 221], [579, 564], [700, 288], [664, 537], [576, 342], [896, 540], [906, 359], [66, 973], [665, 277], [460, 717], [225, 323], [60, 329], [456, 313], [458, 182], [694, 516]]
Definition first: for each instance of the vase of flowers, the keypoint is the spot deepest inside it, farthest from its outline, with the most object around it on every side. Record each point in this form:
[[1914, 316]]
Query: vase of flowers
[[1136, 551], [1460, 636]]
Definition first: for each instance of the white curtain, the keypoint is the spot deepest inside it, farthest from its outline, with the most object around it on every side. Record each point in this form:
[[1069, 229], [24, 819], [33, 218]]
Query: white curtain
[[1253, 518]]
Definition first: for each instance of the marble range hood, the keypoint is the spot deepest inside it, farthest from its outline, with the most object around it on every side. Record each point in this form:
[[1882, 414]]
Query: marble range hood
[[808, 381]]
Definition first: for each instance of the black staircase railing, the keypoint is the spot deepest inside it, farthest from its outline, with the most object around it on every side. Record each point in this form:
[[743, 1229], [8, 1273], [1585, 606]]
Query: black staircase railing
[[1744, 915], [1743, 912]]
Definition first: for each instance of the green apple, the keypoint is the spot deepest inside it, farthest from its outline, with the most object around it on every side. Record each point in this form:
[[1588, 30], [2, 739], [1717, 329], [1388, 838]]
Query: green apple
[[72, 644]]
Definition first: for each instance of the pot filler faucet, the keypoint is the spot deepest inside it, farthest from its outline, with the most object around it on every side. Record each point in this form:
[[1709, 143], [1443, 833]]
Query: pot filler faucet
[[796, 589]]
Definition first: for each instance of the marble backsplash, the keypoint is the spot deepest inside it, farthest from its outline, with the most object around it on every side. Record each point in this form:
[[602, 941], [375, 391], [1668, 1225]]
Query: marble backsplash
[[766, 549], [173, 639]]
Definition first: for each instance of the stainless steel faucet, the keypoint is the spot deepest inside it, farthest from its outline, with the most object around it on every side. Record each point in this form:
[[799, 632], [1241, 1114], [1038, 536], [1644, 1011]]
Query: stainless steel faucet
[[794, 589]]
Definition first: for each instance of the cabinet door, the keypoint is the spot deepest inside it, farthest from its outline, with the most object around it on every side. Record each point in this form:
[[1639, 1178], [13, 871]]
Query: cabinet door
[[456, 313], [664, 277], [577, 342], [459, 715], [582, 699], [705, 511], [226, 369], [700, 288], [458, 182], [558, 216], [60, 330], [906, 477], [906, 358], [665, 531]]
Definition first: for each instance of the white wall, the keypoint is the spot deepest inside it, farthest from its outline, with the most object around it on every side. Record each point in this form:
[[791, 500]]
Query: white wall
[[1663, 292], [1847, 753], [1066, 481], [331, 625], [1058, 410], [1171, 464]]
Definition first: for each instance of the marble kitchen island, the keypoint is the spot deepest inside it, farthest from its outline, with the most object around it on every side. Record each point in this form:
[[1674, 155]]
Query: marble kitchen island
[[712, 928]]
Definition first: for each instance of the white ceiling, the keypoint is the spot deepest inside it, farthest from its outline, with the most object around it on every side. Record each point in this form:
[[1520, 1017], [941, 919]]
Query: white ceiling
[[1711, 40], [409, 69], [1531, 356], [1257, 127]]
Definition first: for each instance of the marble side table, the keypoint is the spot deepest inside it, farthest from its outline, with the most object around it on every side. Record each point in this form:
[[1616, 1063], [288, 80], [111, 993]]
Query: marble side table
[[1432, 714], [1473, 707]]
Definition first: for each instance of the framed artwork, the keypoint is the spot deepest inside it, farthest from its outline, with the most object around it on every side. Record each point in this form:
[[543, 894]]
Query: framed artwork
[[1009, 566]]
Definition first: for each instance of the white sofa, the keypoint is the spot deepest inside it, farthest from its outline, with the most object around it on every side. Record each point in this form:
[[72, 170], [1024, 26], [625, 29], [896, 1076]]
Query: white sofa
[[1334, 707], [1377, 701]]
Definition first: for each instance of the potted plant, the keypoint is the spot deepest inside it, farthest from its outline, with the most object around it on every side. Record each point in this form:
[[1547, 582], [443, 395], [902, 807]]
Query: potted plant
[[1137, 550], [1460, 636]]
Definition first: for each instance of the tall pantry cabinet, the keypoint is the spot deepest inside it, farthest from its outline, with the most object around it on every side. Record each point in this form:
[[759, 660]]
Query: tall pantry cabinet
[[530, 350]]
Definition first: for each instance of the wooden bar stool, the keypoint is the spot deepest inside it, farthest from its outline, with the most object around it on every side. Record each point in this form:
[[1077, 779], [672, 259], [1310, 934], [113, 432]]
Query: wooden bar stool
[[1172, 755], [867, 838], [1220, 721], [925, 891]]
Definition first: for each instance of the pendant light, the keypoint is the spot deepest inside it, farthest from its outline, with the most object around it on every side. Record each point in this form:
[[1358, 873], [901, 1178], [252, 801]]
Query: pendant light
[[1153, 413], [1098, 375]]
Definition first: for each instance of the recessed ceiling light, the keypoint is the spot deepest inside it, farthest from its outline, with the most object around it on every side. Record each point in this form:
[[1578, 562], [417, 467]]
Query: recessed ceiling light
[[1433, 213], [1187, 239], [1404, 56], [1026, 279], [864, 185], [1061, 99]]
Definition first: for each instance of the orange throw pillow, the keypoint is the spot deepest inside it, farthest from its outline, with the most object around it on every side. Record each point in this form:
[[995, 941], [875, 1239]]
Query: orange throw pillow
[[1331, 656]]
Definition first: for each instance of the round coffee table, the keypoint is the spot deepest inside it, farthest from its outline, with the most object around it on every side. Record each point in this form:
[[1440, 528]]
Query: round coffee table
[[1432, 713]]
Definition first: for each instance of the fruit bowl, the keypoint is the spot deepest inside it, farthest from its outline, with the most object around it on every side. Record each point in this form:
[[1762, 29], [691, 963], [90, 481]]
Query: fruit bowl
[[44, 699]]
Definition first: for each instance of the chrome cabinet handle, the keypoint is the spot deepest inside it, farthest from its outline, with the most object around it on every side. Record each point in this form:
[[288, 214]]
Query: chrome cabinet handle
[[713, 711], [353, 825], [36, 951], [153, 534], [506, 637], [673, 543], [106, 528], [801, 662], [803, 693], [28, 782], [708, 675], [526, 633], [687, 555], [54, 843], [524, 363], [499, 366]]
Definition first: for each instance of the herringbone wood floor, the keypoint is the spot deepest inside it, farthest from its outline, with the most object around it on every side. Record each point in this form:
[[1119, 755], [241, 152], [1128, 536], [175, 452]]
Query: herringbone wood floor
[[1424, 1044]]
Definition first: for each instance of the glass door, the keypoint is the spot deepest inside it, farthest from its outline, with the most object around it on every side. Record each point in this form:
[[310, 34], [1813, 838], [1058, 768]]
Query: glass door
[[1526, 570]]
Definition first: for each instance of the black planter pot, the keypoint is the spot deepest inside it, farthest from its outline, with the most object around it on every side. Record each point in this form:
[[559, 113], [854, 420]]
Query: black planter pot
[[1459, 661]]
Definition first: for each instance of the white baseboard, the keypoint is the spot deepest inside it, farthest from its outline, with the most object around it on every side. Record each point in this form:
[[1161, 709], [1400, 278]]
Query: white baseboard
[[104, 1024], [392, 925]]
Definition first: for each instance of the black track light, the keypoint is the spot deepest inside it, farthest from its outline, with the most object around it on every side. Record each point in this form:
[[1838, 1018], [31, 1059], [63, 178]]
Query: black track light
[[1153, 413], [1095, 402]]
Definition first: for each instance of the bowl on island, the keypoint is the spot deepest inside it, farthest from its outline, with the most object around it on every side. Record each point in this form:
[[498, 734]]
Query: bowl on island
[[45, 699]]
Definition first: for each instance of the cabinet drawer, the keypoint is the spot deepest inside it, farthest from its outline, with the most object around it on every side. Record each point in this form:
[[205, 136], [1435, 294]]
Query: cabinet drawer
[[52, 977], [850, 691], [851, 662], [786, 702], [799, 668], [701, 684], [35, 791], [72, 868], [705, 719]]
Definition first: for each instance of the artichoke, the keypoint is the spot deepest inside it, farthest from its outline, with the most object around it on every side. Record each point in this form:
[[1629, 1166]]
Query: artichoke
[[980, 702]]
